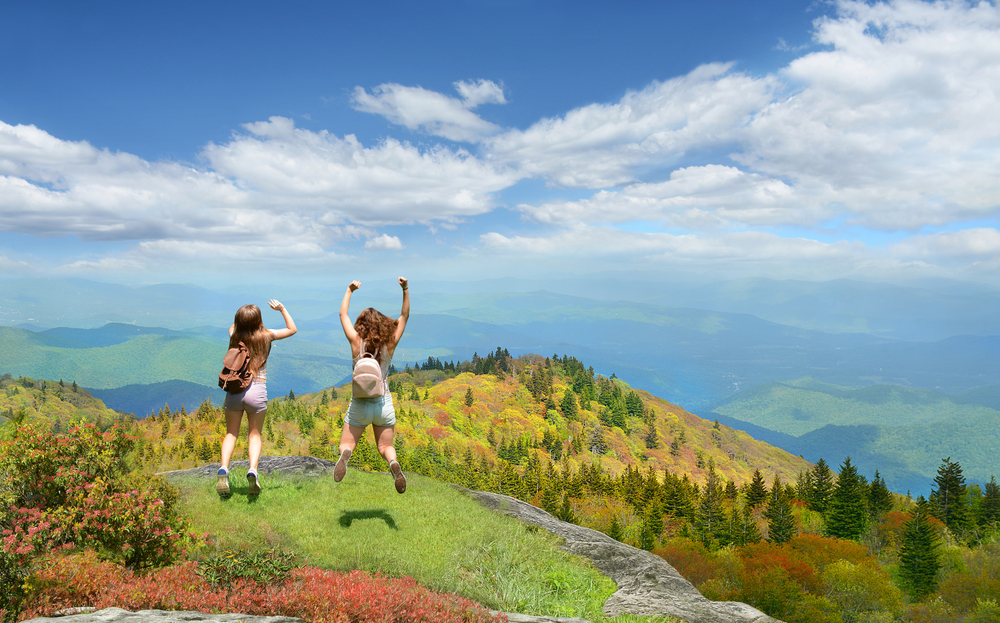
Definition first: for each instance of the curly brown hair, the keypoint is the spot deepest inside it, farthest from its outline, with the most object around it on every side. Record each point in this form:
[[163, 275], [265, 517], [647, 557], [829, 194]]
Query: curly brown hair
[[375, 330], [248, 327]]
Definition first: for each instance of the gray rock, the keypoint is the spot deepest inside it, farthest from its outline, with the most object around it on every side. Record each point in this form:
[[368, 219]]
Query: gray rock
[[306, 465], [647, 584], [117, 615]]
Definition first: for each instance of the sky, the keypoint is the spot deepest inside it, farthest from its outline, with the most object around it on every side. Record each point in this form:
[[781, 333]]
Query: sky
[[314, 142]]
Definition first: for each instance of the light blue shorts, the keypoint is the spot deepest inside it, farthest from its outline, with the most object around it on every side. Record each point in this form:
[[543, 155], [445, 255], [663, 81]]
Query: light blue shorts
[[253, 399], [376, 411]]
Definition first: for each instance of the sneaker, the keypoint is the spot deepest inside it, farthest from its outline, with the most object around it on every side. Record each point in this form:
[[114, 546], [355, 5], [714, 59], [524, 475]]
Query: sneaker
[[254, 482], [222, 485], [341, 468], [397, 476]]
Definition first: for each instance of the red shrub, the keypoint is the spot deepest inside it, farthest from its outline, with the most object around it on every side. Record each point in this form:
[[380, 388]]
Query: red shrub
[[312, 594], [690, 558]]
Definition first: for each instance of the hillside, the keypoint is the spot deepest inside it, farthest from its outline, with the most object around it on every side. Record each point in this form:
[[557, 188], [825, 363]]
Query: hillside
[[902, 432], [57, 405], [504, 419]]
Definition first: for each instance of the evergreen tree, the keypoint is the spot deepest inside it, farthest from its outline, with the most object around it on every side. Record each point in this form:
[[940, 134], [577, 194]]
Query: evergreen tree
[[711, 524], [780, 521], [568, 405], [919, 560], [848, 504], [468, 397], [879, 498], [757, 491], [818, 497], [989, 507], [948, 502]]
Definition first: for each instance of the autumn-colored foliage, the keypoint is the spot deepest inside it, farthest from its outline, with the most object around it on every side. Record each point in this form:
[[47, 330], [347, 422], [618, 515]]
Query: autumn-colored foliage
[[315, 595]]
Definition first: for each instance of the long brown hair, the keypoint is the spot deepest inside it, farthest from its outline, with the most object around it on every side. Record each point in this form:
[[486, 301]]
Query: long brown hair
[[376, 330], [249, 329]]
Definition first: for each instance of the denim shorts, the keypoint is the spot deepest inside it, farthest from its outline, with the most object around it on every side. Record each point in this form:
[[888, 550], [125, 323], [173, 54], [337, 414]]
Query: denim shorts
[[376, 411], [253, 399]]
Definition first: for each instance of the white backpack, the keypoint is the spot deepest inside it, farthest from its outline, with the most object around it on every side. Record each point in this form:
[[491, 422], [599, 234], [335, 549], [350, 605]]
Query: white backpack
[[367, 381]]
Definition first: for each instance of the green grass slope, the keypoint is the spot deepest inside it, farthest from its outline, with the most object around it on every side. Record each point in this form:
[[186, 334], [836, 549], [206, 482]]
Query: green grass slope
[[433, 533]]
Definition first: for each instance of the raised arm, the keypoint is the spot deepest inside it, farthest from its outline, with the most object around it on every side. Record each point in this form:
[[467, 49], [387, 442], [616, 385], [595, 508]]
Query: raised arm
[[289, 329], [404, 314], [345, 319]]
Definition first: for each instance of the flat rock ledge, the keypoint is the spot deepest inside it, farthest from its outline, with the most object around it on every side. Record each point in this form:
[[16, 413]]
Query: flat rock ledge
[[647, 584]]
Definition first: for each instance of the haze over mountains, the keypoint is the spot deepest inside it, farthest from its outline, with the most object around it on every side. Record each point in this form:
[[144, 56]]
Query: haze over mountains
[[699, 346]]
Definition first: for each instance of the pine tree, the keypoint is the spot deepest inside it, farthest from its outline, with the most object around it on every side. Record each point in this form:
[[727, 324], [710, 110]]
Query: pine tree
[[848, 504], [711, 516], [918, 556], [469, 399], [780, 521], [568, 405], [989, 507], [879, 498], [818, 497], [757, 491], [948, 502]]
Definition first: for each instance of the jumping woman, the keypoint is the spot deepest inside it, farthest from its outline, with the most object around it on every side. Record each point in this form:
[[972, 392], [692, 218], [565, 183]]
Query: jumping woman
[[375, 334], [248, 327]]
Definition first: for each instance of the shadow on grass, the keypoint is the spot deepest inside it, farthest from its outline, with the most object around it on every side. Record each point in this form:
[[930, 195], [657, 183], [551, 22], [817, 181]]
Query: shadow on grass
[[348, 517]]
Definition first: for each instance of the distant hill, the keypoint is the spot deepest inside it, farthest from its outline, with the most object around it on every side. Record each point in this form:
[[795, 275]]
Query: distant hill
[[141, 400], [903, 432], [691, 344], [118, 355]]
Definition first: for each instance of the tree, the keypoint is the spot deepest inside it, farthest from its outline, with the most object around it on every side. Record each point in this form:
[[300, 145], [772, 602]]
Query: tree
[[757, 491], [711, 516], [848, 504], [948, 502], [780, 521], [918, 556], [821, 487], [879, 498], [569, 406], [989, 507], [468, 397]]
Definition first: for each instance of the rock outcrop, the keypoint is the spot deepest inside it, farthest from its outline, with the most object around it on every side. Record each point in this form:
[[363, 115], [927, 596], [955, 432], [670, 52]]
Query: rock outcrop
[[647, 584]]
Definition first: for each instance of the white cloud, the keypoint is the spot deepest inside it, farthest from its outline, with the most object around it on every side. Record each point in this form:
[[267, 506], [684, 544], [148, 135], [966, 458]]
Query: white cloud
[[385, 242], [417, 108], [607, 144], [274, 185], [8, 265], [392, 183]]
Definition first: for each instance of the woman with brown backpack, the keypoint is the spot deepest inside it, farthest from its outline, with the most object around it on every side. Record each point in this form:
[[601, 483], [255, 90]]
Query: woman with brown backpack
[[373, 338], [248, 331]]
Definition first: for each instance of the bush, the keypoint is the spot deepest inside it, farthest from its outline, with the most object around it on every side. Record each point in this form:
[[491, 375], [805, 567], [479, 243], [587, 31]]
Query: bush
[[73, 489], [690, 558], [309, 593]]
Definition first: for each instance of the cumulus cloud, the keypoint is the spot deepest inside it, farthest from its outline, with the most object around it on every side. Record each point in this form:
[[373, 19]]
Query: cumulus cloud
[[417, 108], [272, 184], [385, 242], [608, 144]]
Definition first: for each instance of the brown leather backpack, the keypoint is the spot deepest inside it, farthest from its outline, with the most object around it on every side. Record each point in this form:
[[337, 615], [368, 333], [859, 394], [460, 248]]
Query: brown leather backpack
[[235, 376]]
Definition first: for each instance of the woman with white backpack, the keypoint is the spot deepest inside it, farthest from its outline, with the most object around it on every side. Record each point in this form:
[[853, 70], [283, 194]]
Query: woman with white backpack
[[373, 338]]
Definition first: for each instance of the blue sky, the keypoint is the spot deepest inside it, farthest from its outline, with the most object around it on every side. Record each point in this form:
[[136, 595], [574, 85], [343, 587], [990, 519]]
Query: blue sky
[[186, 142]]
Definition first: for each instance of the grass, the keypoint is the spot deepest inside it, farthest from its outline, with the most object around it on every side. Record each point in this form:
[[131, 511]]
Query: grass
[[433, 533]]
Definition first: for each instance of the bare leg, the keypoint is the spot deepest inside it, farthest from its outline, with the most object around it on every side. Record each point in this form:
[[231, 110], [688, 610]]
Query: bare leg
[[233, 421], [348, 441], [255, 421], [383, 439]]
